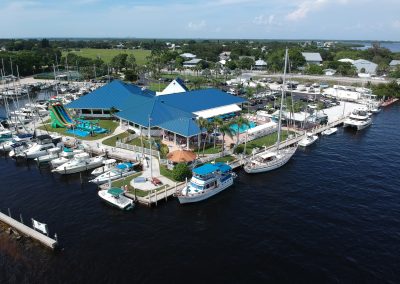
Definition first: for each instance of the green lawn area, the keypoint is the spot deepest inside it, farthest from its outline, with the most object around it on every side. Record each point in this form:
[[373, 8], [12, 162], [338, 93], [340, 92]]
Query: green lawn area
[[209, 149], [267, 141], [113, 139], [131, 190], [107, 54], [157, 87], [107, 124], [165, 172], [225, 159]]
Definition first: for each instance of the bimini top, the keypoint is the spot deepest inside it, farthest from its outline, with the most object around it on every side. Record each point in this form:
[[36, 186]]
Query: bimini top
[[115, 191], [211, 168]]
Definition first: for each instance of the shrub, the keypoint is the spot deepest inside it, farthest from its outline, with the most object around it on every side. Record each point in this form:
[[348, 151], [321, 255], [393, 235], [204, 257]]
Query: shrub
[[181, 172]]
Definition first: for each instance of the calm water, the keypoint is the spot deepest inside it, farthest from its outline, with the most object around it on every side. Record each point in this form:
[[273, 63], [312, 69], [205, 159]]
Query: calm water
[[332, 215], [392, 46]]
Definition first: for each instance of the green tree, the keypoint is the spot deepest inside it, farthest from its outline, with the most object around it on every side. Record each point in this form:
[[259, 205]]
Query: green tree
[[217, 123], [314, 69], [131, 62], [225, 129], [246, 63], [181, 171], [240, 121], [203, 125], [131, 75], [119, 61]]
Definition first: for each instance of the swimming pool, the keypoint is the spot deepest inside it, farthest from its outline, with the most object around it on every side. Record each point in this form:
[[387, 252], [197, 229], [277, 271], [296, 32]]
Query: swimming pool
[[77, 132], [243, 128]]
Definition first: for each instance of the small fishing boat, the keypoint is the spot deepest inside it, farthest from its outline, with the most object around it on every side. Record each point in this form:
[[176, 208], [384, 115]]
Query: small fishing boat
[[79, 163], [116, 197], [329, 131], [119, 171], [40, 147], [108, 165], [308, 139], [207, 181]]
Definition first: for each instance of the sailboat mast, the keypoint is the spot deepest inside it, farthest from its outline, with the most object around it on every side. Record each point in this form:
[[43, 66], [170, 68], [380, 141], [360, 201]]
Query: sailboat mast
[[281, 108]]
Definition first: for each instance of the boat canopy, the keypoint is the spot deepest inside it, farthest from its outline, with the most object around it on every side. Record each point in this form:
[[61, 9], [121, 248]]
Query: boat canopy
[[210, 168], [123, 166], [115, 191]]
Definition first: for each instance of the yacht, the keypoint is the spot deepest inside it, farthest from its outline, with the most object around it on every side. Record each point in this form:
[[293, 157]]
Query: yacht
[[272, 159], [329, 131], [81, 162], [308, 139], [108, 165], [116, 197], [53, 153], [5, 135], [40, 147], [358, 119], [64, 157], [119, 171], [207, 181]]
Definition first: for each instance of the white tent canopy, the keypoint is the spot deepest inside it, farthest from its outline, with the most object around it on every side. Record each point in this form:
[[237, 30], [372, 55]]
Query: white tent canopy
[[262, 127], [212, 112]]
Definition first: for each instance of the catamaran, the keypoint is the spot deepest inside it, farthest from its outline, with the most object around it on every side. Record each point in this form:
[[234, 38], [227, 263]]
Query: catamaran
[[358, 119], [272, 159], [207, 181]]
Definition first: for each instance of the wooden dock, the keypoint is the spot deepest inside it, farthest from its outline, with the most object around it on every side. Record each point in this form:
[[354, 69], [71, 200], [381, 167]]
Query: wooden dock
[[28, 231], [243, 159]]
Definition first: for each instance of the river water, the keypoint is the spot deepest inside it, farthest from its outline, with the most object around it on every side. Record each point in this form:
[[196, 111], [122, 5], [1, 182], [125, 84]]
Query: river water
[[331, 215]]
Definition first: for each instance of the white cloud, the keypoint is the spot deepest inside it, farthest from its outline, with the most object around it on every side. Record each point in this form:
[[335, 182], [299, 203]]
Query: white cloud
[[196, 26], [305, 7], [396, 24], [264, 20]]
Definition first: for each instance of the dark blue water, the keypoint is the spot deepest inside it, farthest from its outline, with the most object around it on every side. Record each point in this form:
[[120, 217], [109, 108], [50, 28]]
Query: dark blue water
[[392, 46], [332, 215]]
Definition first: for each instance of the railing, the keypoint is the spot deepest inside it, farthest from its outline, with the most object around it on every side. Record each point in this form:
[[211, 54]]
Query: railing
[[137, 149], [129, 138]]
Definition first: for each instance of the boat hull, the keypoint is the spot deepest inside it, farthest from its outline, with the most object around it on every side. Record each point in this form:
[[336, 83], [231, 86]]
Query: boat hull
[[270, 167], [78, 169], [191, 198]]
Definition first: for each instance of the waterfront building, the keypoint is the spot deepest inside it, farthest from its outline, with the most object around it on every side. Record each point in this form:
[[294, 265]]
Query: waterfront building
[[312, 57], [170, 116]]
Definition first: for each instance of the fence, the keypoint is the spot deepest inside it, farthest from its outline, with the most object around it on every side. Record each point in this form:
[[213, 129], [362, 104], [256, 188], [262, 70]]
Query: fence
[[137, 149]]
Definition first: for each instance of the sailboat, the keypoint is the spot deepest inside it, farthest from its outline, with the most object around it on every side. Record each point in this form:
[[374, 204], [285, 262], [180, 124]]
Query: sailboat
[[272, 159]]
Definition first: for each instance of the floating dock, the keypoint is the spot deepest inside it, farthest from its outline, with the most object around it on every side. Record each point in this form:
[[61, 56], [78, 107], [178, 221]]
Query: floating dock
[[28, 231]]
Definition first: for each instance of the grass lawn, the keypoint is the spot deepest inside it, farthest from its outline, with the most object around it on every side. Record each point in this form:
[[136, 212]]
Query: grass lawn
[[209, 149], [267, 141], [107, 54], [157, 87], [131, 190], [225, 159], [113, 139], [107, 124], [165, 172]]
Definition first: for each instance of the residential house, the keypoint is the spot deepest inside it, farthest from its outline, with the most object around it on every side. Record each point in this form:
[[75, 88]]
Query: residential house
[[188, 56], [365, 67], [312, 57], [260, 65], [192, 63]]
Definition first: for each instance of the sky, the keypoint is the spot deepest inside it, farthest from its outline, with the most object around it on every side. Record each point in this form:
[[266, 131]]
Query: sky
[[235, 19]]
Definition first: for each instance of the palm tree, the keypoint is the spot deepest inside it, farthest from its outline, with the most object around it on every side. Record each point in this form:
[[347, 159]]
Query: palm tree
[[202, 123], [225, 129], [217, 123], [240, 121]]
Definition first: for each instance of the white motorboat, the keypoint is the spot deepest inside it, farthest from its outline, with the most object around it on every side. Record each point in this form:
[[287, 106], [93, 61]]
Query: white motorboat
[[116, 197], [358, 119], [64, 157], [108, 165], [119, 171], [207, 181], [81, 162], [53, 154], [16, 140], [308, 139], [5, 135], [40, 147], [269, 160], [329, 131]]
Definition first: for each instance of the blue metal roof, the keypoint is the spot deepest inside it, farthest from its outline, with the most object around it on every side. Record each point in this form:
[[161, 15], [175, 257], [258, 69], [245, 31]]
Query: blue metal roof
[[198, 100], [210, 168], [115, 94], [181, 83]]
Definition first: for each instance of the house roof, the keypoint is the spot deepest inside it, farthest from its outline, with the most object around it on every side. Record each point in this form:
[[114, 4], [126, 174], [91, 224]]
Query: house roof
[[193, 61], [260, 62], [312, 56], [115, 94], [370, 67], [176, 86], [188, 55], [394, 63]]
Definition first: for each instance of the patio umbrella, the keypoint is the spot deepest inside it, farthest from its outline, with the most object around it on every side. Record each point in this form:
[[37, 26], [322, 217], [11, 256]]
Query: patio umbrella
[[181, 156]]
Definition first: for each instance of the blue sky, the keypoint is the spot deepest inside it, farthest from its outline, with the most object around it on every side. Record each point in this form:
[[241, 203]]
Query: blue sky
[[268, 19]]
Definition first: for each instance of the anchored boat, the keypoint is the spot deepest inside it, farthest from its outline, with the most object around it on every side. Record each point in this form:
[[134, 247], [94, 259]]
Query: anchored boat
[[116, 197], [207, 181]]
